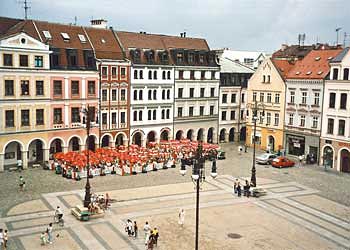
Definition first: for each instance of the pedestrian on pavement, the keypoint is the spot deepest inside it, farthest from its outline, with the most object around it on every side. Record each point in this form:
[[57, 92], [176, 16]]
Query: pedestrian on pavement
[[22, 183], [49, 233], [107, 201], [135, 229], [239, 189], [147, 231], [150, 242], [235, 184], [240, 149], [155, 234], [182, 217], [43, 240], [246, 189], [6, 238], [1, 238], [19, 165], [129, 227], [245, 148], [301, 157]]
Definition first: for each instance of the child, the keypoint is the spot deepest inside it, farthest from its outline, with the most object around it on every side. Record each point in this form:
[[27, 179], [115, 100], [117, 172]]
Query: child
[[43, 238]]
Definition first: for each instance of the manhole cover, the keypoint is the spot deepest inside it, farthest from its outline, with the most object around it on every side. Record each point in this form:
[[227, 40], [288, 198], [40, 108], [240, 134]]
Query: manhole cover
[[234, 236]]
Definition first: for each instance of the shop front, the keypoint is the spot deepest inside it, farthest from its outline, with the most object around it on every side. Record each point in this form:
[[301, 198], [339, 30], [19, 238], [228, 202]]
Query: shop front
[[295, 145]]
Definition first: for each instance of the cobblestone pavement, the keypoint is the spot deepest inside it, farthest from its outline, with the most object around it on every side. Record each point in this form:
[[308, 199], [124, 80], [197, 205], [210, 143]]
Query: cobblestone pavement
[[332, 185]]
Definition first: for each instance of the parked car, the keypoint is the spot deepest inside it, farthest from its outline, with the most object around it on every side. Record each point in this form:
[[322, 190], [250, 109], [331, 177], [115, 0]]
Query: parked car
[[282, 162], [265, 158]]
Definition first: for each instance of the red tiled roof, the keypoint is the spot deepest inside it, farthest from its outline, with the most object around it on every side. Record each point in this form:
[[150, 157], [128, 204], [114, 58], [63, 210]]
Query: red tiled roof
[[314, 66], [6, 23], [283, 66]]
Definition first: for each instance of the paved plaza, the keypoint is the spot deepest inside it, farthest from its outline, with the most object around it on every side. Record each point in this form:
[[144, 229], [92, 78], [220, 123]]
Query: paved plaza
[[297, 213]]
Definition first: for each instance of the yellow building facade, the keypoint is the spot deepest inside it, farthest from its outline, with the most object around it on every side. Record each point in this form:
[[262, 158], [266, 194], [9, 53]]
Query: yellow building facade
[[266, 89]]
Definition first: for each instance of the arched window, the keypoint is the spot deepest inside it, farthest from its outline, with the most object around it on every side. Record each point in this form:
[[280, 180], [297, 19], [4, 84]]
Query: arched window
[[155, 114], [169, 75], [163, 74], [150, 75], [135, 94], [155, 94], [135, 116], [150, 94], [168, 113], [155, 75], [141, 74], [140, 94], [163, 94], [135, 74], [168, 94], [140, 115], [163, 114], [149, 115]]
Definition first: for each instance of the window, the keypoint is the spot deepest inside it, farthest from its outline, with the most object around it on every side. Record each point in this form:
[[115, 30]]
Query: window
[[262, 97], [233, 98], [242, 98], [269, 98], [155, 114], [123, 72], [315, 122], [163, 94], [168, 74], [114, 72], [25, 117], [149, 117], [192, 74], [104, 72], [122, 117], [302, 121], [82, 38], [341, 127], [330, 126], [135, 94], [9, 88], [202, 75], [168, 94], [191, 92], [135, 116], [277, 98], [149, 75], [155, 75], [23, 60], [179, 112], [168, 114], [91, 88], [164, 75], [9, 118], [233, 115], [254, 96], [75, 87], [38, 61], [291, 119], [212, 92], [268, 78], [163, 114], [303, 97], [24, 87], [75, 115], [343, 97], [114, 118], [242, 114], [223, 116], [190, 112], [201, 58], [277, 119], [72, 57], [292, 97], [224, 98], [202, 92], [57, 87], [180, 92], [114, 94], [181, 74], [149, 94], [155, 94], [140, 94], [8, 60], [261, 117], [201, 110], [317, 99], [264, 78], [332, 100], [65, 36], [104, 95], [268, 118], [141, 74], [213, 75], [346, 74], [211, 110], [122, 94], [135, 74], [179, 57], [190, 58], [39, 86], [39, 116], [140, 115], [335, 74]]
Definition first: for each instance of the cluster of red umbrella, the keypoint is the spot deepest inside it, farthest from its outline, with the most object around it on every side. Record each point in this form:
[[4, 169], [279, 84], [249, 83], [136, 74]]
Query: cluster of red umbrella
[[133, 153]]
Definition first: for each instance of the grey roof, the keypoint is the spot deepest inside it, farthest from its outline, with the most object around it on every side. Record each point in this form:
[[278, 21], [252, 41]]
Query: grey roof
[[340, 56], [229, 66]]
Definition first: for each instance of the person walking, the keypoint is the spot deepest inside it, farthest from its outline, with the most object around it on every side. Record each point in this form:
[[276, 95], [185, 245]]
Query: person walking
[[135, 229], [49, 233], [6, 238], [19, 165], [245, 148], [182, 217], [240, 149], [129, 227], [1, 238], [239, 189], [301, 157], [43, 239], [147, 231], [155, 234], [235, 184], [22, 183], [247, 189]]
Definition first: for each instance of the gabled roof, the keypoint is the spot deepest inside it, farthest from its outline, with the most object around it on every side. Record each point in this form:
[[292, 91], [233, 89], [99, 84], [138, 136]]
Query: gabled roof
[[340, 56], [283, 66], [314, 66]]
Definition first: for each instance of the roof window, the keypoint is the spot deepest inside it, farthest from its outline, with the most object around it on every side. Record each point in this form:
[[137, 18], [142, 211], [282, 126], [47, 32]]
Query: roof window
[[330, 58], [317, 58], [65, 36], [309, 73], [319, 72], [103, 40], [82, 38], [297, 73], [47, 34]]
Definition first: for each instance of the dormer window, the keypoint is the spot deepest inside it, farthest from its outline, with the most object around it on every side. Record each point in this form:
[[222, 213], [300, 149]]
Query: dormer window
[[150, 56], [180, 57], [47, 35], [135, 55], [201, 58], [82, 38], [190, 58], [65, 36]]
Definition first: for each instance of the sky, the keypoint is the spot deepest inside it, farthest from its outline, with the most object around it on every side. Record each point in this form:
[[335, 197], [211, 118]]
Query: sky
[[257, 25]]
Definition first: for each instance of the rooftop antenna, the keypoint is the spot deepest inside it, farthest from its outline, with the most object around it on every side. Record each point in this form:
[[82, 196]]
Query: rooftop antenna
[[75, 20], [337, 30], [26, 8], [301, 39], [345, 37]]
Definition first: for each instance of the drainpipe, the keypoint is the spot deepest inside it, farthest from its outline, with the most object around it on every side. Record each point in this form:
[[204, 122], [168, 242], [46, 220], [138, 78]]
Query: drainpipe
[[239, 115], [99, 101]]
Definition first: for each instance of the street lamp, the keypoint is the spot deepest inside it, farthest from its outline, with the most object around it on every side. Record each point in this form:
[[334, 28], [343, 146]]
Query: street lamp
[[198, 177], [87, 114], [255, 107]]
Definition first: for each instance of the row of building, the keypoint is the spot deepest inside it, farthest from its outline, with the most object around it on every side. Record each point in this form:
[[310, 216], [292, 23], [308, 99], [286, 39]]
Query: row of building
[[302, 99], [138, 87]]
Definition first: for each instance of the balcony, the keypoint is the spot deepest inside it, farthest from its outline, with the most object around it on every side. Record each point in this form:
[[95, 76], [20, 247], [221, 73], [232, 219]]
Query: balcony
[[123, 125], [58, 125], [75, 125]]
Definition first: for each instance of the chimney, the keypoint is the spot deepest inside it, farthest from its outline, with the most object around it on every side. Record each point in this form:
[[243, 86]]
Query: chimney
[[99, 23], [181, 34], [185, 34]]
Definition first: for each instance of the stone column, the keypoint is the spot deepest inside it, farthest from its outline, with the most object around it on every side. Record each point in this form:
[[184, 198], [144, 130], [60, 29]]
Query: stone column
[[215, 137], [143, 142], [227, 135], [24, 159], [2, 162], [125, 141], [64, 149], [46, 154]]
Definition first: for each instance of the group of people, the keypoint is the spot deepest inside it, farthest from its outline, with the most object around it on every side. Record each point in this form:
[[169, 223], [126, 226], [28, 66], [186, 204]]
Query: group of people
[[99, 203], [151, 235], [237, 188], [3, 238]]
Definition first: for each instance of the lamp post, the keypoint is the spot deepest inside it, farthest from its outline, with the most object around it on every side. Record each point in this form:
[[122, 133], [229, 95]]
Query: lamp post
[[87, 199], [255, 108], [198, 177]]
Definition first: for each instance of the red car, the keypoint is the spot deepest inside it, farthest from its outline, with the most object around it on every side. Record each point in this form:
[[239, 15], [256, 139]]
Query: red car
[[282, 162]]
